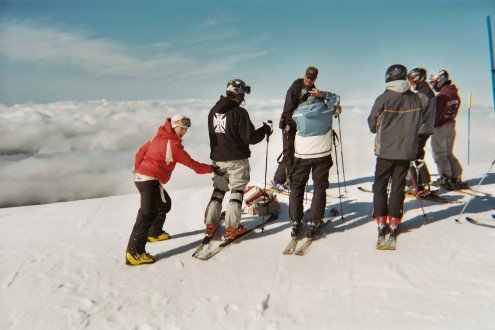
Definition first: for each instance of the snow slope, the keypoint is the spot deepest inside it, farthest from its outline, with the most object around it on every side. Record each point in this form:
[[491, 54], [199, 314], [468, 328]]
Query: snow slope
[[63, 268]]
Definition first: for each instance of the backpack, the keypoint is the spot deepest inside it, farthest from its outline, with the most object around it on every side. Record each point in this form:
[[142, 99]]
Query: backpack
[[259, 202]]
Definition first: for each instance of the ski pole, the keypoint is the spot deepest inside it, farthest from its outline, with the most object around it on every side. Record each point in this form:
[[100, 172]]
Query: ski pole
[[342, 154], [475, 193], [338, 175], [417, 195], [266, 167]]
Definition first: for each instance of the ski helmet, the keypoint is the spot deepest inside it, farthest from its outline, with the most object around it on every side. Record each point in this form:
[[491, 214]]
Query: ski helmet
[[396, 72], [417, 75], [237, 87], [438, 79], [180, 120]]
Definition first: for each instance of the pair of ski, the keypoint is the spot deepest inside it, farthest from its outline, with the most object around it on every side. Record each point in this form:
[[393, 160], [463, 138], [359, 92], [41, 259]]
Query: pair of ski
[[291, 247], [386, 243], [432, 196], [206, 252]]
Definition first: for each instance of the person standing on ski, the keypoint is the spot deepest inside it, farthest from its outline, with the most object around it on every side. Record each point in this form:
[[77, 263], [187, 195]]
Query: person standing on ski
[[442, 142], [231, 132], [395, 118], [313, 148], [296, 94], [417, 80], [153, 167]]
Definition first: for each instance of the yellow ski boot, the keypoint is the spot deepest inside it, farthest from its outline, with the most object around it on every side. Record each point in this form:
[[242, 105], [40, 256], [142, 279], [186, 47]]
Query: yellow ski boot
[[162, 237], [138, 259]]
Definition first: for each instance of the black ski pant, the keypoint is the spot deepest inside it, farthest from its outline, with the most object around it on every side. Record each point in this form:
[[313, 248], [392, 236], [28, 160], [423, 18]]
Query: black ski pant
[[420, 171], [396, 171], [282, 174], [300, 175], [155, 204]]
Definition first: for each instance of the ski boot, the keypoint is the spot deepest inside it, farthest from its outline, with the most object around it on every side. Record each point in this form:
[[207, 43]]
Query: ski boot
[[233, 233], [162, 237], [296, 228], [281, 187], [383, 229], [457, 183], [210, 230], [443, 182], [394, 231], [135, 259], [313, 229]]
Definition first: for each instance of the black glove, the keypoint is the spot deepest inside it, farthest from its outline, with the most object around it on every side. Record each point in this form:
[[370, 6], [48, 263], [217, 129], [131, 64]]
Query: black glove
[[217, 170], [268, 128]]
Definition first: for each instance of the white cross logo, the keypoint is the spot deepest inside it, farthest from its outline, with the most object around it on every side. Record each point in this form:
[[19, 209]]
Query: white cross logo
[[219, 122]]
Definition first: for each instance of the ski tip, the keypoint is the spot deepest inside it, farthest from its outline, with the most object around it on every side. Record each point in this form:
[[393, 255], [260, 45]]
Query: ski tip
[[471, 220]]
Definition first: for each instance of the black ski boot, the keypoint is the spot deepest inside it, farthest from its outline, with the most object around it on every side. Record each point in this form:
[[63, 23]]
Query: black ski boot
[[313, 229], [296, 228], [444, 182]]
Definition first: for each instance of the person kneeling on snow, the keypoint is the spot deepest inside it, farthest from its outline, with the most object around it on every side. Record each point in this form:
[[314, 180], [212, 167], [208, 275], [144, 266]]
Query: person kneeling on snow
[[395, 118], [313, 148], [231, 132], [153, 167]]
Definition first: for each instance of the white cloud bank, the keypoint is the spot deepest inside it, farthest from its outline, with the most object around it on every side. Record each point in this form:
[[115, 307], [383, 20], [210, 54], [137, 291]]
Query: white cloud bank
[[74, 150]]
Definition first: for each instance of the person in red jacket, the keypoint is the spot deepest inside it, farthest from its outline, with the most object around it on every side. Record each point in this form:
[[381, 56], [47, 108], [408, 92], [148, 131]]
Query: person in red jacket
[[153, 167]]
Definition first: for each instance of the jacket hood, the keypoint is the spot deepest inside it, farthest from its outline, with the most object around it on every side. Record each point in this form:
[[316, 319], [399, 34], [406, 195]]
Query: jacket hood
[[166, 131], [399, 86], [449, 90], [225, 104]]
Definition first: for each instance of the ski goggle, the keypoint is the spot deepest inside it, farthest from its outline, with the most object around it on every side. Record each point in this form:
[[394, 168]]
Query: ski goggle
[[183, 122]]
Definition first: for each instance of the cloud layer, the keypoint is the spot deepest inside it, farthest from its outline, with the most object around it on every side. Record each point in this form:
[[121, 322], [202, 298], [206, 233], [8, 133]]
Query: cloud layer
[[74, 150]]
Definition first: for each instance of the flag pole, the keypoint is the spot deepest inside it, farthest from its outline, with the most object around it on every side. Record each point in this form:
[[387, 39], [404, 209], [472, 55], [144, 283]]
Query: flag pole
[[469, 128], [492, 71]]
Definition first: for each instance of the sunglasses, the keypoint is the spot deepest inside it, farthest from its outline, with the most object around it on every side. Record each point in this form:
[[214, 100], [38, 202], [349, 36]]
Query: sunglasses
[[183, 122], [312, 79]]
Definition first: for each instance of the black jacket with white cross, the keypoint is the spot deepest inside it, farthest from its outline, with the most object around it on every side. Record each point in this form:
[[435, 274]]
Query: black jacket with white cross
[[231, 131]]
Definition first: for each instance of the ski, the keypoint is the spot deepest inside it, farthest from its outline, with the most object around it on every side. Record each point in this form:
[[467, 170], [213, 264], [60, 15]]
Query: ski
[[391, 242], [474, 222], [381, 241], [305, 247], [286, 193], [206, 241], [291, 247], [226, 243], [432, 196]]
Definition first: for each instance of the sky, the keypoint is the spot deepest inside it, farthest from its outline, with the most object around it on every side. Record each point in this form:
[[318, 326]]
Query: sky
[[167, 50]]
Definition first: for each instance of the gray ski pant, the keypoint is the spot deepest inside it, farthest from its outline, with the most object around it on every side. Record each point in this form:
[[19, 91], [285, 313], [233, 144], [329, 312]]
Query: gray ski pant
[[442, 143], [235, 179]]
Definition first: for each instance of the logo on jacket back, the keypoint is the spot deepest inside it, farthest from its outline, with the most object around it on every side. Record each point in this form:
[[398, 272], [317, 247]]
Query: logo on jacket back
[[219, 121]]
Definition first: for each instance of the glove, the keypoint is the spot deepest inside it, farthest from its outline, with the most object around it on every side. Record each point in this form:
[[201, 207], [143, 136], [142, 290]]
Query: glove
[[217, 170], [268, 128]]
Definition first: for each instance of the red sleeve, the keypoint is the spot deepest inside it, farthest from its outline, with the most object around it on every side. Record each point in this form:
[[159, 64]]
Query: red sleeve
[[140, 155], [181, 156]]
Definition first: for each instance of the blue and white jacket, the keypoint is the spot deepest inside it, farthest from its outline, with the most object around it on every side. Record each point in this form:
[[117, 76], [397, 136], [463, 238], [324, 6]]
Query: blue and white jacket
[[314, 126]]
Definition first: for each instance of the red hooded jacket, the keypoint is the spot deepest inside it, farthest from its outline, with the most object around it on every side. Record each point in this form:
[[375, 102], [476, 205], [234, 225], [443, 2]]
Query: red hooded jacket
[[447, 105], [157, 157]]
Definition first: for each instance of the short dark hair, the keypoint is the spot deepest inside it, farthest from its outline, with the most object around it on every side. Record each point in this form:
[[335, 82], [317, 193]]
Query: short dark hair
[[312, 73]]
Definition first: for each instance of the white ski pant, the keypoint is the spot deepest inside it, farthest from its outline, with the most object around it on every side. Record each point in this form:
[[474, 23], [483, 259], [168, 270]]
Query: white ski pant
[[235, 179], [442, 143]]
